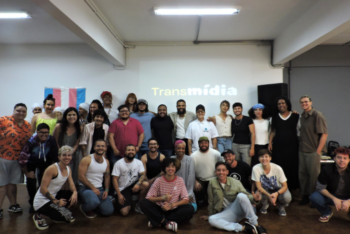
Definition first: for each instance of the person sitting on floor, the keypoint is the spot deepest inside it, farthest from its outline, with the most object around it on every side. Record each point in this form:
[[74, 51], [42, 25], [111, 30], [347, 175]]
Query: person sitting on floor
[[272, 183], [229, 203], [166, 203], [50, 200], [333, 186]]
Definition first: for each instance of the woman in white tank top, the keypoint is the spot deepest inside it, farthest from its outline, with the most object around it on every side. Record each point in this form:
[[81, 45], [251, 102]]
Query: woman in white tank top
[[50, 200], [223, 122]]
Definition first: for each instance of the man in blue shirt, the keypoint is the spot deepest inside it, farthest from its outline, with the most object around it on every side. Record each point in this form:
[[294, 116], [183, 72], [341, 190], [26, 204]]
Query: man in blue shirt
[[144, 117]]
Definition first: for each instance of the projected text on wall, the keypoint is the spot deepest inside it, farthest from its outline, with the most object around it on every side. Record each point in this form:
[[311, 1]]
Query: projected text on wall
[[207, 90]]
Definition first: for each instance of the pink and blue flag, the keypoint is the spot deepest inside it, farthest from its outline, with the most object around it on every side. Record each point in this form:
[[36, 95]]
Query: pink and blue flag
[[67, 97]]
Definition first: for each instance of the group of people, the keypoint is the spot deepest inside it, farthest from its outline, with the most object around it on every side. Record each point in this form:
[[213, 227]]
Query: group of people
[[168, 164]]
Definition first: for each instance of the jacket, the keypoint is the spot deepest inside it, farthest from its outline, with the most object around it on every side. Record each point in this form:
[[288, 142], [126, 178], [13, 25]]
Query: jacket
[[189, 117]]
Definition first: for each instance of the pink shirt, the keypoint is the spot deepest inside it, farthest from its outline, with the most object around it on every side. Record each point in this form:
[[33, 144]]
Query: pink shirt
[[175, 187], [125, 134]]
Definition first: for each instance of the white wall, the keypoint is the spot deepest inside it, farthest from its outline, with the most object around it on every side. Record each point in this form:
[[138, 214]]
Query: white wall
[[26, 69]]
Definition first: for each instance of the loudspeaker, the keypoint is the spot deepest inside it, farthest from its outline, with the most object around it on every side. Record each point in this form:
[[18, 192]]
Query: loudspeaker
[[267, 94]]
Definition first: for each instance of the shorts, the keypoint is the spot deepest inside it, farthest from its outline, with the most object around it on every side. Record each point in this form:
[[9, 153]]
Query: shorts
[[127, 193], [10, 172]]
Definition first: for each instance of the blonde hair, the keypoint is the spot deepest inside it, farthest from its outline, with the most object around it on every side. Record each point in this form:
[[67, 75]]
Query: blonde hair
[[65, 149]]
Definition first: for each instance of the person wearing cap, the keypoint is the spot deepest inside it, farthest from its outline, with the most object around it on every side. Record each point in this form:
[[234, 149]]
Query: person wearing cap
[[83, 113], [59, 112], [198, 128], [204, 166], [262, 127], [144, 116], [182, 119], [242, 127], [238, 170], [36, 109], [163, 127], [39, 152], [270, 180], [107, 99]]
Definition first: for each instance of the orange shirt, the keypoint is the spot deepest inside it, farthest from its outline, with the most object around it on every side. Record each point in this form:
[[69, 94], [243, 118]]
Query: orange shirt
[[12, 137]]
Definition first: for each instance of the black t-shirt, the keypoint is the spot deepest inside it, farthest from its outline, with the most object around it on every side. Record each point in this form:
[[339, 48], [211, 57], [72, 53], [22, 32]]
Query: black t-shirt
[[240, 130], [99, 133], [241, 172], [163, 130]]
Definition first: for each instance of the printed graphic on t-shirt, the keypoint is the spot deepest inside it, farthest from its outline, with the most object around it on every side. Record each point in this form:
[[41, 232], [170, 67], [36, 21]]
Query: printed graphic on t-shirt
[[131, 174], [235, 176], [269, 183], [206, 130]]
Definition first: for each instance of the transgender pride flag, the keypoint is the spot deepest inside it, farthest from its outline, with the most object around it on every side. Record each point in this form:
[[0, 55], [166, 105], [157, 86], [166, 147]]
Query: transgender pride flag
[[67, 97]]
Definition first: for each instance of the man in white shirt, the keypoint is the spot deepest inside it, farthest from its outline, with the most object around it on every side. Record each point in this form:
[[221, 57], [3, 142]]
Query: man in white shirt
[[204, 166], [181, 119], [129, 178], [198, 128], [272, 183]]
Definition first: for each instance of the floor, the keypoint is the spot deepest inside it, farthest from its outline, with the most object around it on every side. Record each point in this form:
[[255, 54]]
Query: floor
[[299, 220]]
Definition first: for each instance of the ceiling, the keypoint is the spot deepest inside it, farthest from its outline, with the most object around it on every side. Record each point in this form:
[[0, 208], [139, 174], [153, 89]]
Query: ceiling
[[135, 21]]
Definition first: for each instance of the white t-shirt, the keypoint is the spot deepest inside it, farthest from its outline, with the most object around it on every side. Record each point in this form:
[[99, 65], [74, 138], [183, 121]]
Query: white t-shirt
[[261, 131], [273, 180], [128, 173], [180, 128], [197, 129], [204, 163], [112, 114]]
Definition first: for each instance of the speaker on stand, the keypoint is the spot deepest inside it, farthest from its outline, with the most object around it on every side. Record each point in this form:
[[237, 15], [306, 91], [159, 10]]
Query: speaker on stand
[[268, 93]]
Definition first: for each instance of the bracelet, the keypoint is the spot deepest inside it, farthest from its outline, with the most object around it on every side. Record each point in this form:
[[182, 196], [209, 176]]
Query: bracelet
[[163, 198], [278, 193], [106, 190]]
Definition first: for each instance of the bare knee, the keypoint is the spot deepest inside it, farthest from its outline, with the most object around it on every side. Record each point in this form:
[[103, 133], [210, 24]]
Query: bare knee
[[125, 211]]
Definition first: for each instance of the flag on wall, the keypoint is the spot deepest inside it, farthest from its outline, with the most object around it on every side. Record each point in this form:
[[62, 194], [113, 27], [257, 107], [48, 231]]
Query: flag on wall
[[67, 97]]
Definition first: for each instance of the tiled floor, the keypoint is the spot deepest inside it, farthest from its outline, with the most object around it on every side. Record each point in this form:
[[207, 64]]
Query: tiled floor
[[299, 220]]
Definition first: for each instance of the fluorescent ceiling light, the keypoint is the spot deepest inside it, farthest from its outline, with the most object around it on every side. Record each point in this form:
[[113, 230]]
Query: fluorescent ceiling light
[[203, 11], [14, 15]]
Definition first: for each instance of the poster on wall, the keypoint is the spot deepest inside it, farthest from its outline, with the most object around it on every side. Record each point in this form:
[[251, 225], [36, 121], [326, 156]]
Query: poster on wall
[[67, 97]]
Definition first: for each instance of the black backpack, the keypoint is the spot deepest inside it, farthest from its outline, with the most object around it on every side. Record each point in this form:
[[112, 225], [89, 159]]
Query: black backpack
[[332, 145]]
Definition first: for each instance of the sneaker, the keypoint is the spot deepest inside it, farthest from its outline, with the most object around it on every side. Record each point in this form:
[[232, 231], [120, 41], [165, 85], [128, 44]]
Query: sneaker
[[325, 219], [1, 211], [31, 210], [90, 214], [149, 224], [250, 228], [39, 222], [138, 209], [263, 209], [112, 198], [171, 226], [261, 229], [305, 200], [135, 197], [282, 212], [15, 208]]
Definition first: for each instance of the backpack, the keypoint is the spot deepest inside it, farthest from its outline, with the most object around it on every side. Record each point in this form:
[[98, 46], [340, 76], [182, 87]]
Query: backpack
[[332, 145]]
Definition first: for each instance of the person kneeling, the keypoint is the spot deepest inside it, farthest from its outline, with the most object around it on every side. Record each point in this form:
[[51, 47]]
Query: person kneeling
[[272, 183], [49, 200], [333, 186], [229, 203], [166, 203]]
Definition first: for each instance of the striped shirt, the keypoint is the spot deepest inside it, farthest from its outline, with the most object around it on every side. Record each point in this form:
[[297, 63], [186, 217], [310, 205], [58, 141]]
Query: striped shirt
[[176, 188]]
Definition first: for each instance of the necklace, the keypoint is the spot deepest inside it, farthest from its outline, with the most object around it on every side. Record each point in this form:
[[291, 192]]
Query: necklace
[[239, 121]]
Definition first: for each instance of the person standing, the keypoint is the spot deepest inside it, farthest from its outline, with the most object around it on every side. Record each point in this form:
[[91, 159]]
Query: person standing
[[107, 99], [313, 137], [143, 115], [162, 127], [284, 143], [48, 116], [14, 133], [36, 109], [97, 105], [181, 119], [199, 128], [131, 102], [83, 113], [243, 129]]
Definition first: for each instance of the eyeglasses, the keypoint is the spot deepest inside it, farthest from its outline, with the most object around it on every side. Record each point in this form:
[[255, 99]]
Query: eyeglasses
[[124, 111], [153, 144], [200, 112], [44, 133]]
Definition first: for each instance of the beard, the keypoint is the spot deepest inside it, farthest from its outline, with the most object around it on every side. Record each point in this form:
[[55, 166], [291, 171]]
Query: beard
[[130, 157], [181, 111], [97, 152], [124, 118], [203, 148]]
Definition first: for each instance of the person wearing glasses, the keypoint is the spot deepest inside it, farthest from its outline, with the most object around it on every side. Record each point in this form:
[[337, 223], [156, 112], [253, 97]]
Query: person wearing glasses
[[39, 153]]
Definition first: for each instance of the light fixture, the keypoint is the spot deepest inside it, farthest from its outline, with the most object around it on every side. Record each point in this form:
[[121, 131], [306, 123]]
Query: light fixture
[[14, 15], [197, 11]]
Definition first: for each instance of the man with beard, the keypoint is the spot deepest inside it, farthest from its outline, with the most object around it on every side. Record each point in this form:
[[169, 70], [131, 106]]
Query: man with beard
[[143, 115], [129, 178], [181, 119], [162, 127], [204, 166], [284, 143], [93, 169], [242, 127]]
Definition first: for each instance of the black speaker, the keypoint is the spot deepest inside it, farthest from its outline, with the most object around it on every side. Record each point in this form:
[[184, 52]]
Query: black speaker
[[267, 94]]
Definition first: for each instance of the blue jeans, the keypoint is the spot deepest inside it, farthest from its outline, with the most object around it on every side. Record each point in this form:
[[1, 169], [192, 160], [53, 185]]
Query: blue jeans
[[321, 203], [143, 150], [112, 160], [90, 201], [167, 152], [224, 143], [242, 152]]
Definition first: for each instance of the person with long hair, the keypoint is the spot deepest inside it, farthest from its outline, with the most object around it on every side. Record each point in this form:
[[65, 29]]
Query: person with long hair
[[107, 99], [48, 116], [67, 132], [97, 105], [131, 102], [262, 127]]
